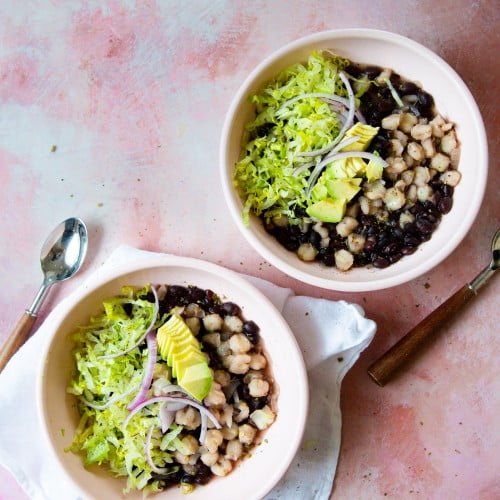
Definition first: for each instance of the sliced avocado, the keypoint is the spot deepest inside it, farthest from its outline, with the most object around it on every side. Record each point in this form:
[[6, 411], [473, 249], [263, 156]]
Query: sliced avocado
[[342, 189], [181, 350], [197, 380], [374, 171], [365, 133], [327, 210], [188, 358], [177, 347], [174, 327]]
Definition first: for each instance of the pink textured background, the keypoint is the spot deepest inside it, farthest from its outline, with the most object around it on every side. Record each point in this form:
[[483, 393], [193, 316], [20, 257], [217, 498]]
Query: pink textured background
[[133, 94]]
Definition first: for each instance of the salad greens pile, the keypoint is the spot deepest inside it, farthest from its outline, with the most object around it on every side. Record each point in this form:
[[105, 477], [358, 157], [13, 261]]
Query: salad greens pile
[[307, 119], [265, 175], [105, 386]]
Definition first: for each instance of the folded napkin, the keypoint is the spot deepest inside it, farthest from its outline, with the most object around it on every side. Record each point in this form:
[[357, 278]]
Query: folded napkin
[[331, 336]]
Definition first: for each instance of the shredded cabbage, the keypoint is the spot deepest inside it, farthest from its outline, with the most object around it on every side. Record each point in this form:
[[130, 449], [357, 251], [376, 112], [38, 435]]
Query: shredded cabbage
[[100, 434], [264, 174]]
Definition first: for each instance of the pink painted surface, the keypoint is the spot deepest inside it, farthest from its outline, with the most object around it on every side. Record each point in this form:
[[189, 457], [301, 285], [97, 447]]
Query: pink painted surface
[[133, 94]]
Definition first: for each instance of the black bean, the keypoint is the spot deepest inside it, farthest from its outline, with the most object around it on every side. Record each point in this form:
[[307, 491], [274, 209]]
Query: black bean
[[425, 226], [210, 300], [395, 257], [188, 479], [195, 294], [426, 216], [445, 204], [256, 403], [203, 473], [410, 240], [408, 250], [407, 88], [370, 243], [425, 99], [314, 238], [361, 259], [447, 190], [326, 256], [251, 330], [229, 309], [380, 262], [385, 106], [436, 197], [416, 209], [398, 233], [372, 72], [391, 248]]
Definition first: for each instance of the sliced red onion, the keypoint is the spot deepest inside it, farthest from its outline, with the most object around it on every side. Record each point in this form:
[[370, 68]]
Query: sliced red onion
[[319, 95], [174, 388], [175, 406], [303, 167], [167, 417], [347, 124], [339, 106], [110, 401], [148, 329], [173, 399], [204, 427], [319, 167], [148, 372], [147, 451]]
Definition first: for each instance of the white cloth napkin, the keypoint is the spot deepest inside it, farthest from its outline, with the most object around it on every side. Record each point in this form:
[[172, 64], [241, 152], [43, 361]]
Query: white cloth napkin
[[331, 336]]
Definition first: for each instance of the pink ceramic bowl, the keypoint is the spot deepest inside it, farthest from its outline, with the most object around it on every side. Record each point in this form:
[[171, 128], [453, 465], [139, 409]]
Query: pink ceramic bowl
[[253, 477], [454, 102]]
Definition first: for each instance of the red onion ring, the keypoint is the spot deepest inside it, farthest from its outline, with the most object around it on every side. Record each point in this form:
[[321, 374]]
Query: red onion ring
[[148, 329], [148, 372], [204, 427], [173, 399], [167, 416], [319, 167], [147, 451]]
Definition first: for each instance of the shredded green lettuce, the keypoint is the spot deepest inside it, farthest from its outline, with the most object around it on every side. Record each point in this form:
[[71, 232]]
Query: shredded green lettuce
[[100, 435], [264, 175]]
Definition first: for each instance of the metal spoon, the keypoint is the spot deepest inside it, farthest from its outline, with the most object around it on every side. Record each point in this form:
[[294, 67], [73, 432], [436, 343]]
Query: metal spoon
[[61, 257], [382, 370]]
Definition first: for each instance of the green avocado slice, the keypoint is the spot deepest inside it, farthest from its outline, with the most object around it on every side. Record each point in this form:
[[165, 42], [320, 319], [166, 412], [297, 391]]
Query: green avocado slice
[[182, 351], [187, 358], [342, 189], [197, 380], [327, 210]]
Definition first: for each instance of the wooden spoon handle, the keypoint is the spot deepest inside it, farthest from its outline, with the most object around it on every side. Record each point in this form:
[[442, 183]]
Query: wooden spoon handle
[[382, 370], [16, 339]]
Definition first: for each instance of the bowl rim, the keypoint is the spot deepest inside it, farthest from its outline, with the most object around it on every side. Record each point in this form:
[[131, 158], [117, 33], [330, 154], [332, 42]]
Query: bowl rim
[[301, 390], [234, 203]]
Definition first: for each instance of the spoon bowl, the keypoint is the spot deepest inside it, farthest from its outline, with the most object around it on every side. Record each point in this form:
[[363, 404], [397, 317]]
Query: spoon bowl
[[64, 250], [61, 257]]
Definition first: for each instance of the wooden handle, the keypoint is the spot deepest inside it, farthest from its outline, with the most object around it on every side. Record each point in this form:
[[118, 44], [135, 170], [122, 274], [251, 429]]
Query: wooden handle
[[386, 366], [16, 339]]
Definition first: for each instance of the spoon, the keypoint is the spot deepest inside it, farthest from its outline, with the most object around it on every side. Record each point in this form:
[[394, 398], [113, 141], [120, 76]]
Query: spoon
[[62, 255], [382, 370]]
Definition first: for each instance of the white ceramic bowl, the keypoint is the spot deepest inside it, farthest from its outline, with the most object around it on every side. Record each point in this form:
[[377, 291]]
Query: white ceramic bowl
[[253, 477], [453, 100]]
